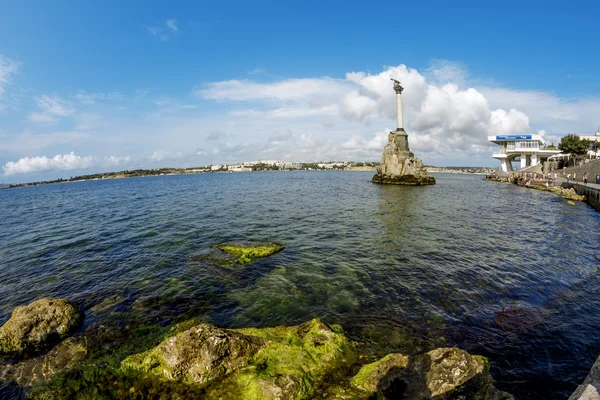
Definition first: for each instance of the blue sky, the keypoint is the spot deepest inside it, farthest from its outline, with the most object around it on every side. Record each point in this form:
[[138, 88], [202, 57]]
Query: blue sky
[[89, 87]]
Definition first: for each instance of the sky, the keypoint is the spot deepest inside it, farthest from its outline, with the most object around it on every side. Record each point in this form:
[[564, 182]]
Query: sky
[[87, 87]]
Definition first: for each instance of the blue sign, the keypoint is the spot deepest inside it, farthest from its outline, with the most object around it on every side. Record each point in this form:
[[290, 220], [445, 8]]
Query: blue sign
[[514, 137]]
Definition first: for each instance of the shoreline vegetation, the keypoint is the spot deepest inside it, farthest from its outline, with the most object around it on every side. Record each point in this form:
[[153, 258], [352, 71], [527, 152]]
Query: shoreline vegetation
[[258, 167]]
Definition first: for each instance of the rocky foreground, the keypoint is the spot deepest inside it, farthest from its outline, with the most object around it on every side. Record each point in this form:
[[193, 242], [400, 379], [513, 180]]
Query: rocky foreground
[[199, 360]]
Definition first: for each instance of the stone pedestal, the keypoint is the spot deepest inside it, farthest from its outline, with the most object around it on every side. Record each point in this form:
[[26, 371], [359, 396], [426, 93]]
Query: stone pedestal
[[398, 164]]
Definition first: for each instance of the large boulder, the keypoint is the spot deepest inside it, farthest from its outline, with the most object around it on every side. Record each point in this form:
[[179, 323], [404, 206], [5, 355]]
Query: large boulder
[[38, 326], [398, 166], [444, 373], [197, 355], [281, 363]]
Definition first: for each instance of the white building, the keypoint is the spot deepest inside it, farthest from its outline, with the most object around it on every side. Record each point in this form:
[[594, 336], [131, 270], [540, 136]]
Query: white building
[[530, 150], [594, 150]]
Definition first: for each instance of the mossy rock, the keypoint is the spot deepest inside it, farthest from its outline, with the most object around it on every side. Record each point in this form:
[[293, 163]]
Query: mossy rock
[[250, 363], [38, 326], [444, 373], [292, 365], [238, 253], [197, 356]]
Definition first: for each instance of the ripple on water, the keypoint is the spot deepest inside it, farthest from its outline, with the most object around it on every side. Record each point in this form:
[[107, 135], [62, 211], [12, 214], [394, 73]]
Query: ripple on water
[[498, 270]]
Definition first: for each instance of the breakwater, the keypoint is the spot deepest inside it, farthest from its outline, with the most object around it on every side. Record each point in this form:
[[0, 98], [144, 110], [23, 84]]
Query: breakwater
[[591, 194]]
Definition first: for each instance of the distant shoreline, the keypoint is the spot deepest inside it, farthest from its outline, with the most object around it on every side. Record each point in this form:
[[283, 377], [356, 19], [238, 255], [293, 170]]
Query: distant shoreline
[[194, 171]]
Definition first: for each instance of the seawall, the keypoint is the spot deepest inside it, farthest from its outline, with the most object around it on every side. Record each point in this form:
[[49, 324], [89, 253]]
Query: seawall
[[591, 194]]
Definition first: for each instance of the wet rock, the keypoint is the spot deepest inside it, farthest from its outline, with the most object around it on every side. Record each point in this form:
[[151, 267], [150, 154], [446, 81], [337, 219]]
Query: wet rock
[[38, 326], [267, 363], [370, 376], [292, 365], [589, 388], [197, 355], [567, 193], [445, 373], [235, 253], [63, 357]]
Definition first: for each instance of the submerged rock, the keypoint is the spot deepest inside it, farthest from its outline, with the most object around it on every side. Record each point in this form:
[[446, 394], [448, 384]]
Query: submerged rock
[[197, 355], [38, 326], [567, 193], [63, 357], [445, 373], [233, 253]]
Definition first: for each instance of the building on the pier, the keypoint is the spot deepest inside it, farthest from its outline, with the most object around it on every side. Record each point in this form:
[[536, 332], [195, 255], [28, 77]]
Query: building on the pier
[[530, 150]]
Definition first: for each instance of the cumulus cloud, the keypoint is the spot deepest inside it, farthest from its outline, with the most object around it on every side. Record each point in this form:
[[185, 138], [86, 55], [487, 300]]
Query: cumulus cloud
[[52, 108], [63, 162], [116, 160], [440, 113]]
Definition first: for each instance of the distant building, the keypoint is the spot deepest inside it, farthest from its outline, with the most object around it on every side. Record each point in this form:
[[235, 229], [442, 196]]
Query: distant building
[[594, 150], [530, 150]]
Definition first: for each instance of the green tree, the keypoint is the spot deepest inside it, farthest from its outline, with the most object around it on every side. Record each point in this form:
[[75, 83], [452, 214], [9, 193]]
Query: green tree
[[574, 145]]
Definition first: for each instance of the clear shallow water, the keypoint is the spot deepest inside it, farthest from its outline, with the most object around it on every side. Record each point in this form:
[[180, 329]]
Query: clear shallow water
[[495, 269]]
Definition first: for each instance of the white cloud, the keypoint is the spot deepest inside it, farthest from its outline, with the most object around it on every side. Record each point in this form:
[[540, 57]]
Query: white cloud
[[28, 142], [8, 67], [63, 162], [357, 106], [440, 115], [88, 121], [116, 160], [291, 89], [162, 155], [53, 107], [172, 24], [163, 32], [91, 98]]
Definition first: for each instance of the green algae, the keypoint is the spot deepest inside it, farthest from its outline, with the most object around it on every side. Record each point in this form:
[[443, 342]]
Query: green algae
[[293, 364], [246, 252], [486, 362], [370, 374], [100, 376], [233, 254]]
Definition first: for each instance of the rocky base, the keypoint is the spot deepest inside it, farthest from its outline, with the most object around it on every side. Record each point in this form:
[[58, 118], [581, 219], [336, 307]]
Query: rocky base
[[410, 180], [398, 166]]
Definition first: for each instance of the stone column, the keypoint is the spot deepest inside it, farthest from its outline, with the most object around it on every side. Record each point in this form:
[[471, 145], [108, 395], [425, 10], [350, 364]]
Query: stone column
[[398, 88], [399, 111]]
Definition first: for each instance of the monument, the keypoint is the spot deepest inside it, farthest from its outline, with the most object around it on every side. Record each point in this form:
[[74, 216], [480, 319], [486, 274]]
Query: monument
[[398, 164]]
